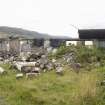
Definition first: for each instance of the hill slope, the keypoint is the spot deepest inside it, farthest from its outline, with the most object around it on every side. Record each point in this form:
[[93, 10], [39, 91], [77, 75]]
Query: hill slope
[[18, 32], [6, 32]]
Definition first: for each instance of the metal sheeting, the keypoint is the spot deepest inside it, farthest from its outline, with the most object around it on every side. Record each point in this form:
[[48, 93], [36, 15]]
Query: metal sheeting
[[92, 34]]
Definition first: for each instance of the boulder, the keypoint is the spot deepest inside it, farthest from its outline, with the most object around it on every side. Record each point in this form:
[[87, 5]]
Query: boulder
[[49, 66], [20, 75], [26, 69], [53, 60], [76, 67], [59, 70], [2, 71], [36, 70], [42, 66]]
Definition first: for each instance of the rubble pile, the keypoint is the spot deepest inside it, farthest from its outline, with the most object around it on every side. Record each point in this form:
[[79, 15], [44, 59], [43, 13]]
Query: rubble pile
[[69, 59], [7, 54], [33, 63]]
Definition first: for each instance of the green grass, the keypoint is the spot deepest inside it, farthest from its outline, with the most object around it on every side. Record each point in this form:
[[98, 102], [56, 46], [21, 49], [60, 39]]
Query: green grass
[[52, 89]]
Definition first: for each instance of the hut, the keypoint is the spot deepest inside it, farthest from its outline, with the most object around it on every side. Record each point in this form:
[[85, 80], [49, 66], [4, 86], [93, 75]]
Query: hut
[[95, 35]]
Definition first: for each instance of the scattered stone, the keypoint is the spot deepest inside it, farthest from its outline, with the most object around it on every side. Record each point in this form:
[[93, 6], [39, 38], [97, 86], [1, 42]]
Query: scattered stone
[[26, 69], [43, 60], [69, 57], [1, 59], [54, 51], [42, 66], [19, 65], [2, 71], [37, 64], [20, 75], [43, 56], [97, 64], [36, 70], [76, 67], [53, 60], [59, 70], [37, 61], [49, 66]]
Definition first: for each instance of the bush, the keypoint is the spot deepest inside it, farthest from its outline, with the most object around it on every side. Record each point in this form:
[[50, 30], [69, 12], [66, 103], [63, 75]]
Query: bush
[[82, 54]]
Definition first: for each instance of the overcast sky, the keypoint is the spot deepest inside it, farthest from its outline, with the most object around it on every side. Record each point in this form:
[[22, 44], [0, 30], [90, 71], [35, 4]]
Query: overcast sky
[[53, 16]]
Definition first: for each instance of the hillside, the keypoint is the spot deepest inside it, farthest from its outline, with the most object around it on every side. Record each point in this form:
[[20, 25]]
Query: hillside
[[6, 32], [18, 32]]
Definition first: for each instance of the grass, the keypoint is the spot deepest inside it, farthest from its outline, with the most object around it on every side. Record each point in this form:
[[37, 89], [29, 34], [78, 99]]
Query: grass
[[52, 89]]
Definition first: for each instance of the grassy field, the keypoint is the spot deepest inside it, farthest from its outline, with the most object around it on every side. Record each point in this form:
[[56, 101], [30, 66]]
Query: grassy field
[[51, 89]]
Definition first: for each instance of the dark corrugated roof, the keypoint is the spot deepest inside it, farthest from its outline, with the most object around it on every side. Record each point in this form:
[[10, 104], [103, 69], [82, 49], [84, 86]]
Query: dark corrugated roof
[[92, 34]]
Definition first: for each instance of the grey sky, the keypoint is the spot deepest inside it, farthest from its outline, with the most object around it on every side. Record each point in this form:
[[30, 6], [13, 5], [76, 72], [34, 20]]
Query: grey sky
[[53, 16]]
